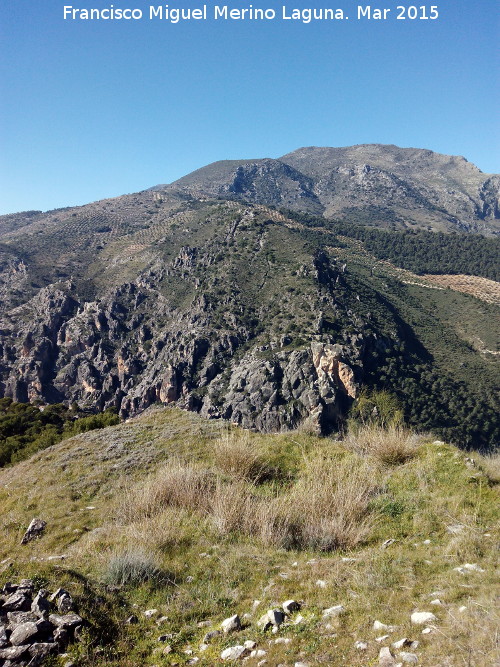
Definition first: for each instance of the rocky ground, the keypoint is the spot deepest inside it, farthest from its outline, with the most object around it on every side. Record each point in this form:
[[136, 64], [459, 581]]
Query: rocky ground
[[36, 624]]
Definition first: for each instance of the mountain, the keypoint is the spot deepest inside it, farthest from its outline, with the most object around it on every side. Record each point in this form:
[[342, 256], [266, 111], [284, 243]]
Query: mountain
[[371, 183], [232, 293]]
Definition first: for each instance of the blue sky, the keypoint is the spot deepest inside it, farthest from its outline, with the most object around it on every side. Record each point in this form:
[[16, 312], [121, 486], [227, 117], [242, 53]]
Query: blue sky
[[97, 109]]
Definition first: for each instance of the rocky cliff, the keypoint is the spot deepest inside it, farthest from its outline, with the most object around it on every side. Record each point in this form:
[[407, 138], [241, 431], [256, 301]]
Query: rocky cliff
[[254, 326]]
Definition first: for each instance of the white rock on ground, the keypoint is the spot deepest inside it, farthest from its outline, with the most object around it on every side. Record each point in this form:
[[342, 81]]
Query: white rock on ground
[[377, 625], [385, 657], [361, 646], [258, 653], [233, 652], [409, 658], [231, 624], [421, 617], [336, 610], [468, 567], [149, 613]]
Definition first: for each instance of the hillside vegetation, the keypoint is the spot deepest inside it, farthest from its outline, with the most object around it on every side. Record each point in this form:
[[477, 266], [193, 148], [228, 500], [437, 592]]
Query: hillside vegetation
[[199, 520]]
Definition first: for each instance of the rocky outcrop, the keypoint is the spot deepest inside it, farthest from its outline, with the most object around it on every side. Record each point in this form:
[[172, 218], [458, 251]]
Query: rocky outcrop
[[29, 633], [217, 350]]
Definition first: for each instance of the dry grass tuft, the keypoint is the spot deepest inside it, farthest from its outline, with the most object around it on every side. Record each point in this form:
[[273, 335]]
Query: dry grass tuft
[[237, 456], [490, 464], [331, 503], [390, 446], [177, 484], [326, 508]]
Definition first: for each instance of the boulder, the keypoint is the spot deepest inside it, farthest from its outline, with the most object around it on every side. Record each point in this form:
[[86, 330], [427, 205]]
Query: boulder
[[231, 624], [233, 652], [333, 611], [65, 604], [15, 618], [67, 621], [25, 633], [18, 601], [42, 650], [40, 604], [34, 530], [3, 636], [13, 653], [385, 657]]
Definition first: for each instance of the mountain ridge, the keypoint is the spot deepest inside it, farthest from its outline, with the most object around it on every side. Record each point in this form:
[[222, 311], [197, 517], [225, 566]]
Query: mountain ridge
[[253, 312]]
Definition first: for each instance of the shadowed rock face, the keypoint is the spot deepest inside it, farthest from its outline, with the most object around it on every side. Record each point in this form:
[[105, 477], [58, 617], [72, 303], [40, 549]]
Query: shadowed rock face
[[202, 295]]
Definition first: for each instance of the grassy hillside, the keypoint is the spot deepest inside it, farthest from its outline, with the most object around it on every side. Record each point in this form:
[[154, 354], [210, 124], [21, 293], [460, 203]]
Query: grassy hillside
[[199, 520]]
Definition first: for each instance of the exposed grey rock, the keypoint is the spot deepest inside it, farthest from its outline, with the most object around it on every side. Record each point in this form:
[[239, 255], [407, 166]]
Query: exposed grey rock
[[385, 657], [42, 650], [276, 617], [34, 530], [410, 658], [264, 622], [258, 653], [331, 612], [234, 652], [149, 613], [377, 625], [211, 635], [40, 603], [18, 601], [3, 636], [468, 567], [13, 653], [15, 618], [24, 633], [231, 624], [67, 621], [65, 603], [61, 637], [361, 646]]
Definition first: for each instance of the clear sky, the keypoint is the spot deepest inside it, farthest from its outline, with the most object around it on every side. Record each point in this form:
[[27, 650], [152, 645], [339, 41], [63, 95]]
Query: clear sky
[[95, 109]]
